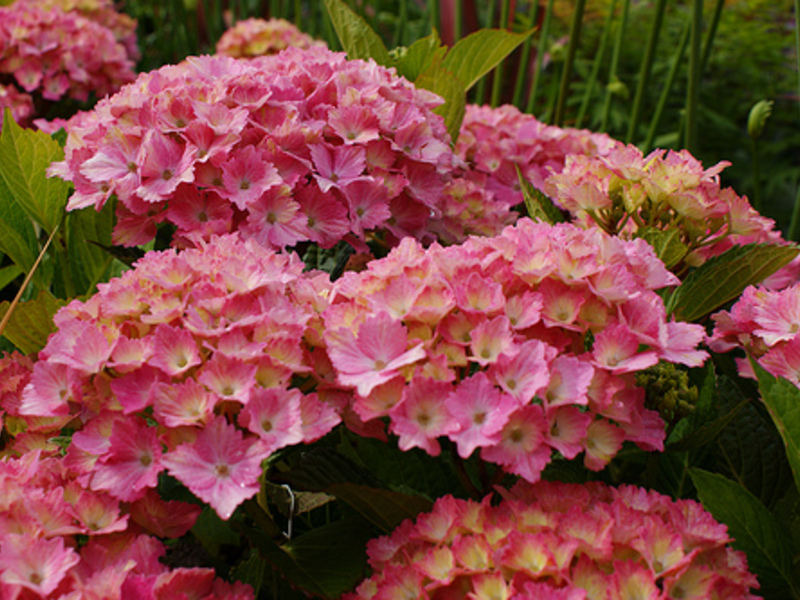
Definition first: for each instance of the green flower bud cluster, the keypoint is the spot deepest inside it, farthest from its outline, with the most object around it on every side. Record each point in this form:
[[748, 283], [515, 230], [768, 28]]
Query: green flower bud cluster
[[668, 391]]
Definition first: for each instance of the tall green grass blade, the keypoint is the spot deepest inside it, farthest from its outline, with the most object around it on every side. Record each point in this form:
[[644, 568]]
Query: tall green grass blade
[[541, 48], [695, 73], [566, 73], [497, 82], [522, 71], [642, 85], [677, 60], [598, 61], [711, 34], [614, 66]]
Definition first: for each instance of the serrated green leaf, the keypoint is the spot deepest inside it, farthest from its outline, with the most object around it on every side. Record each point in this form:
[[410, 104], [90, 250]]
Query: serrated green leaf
[[750, 450], [705, 433], [667, 244], [474, 56], [87, 232], [782, 399], [9, 274], [326, 561], [750, 524], [419, 56], [723, 278], [384, 508], [31, 323], [441, 81], [357, 38], [538, 205], [25, 155], [17, 235]]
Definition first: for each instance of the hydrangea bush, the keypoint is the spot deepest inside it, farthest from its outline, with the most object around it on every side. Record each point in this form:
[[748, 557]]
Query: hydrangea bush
[[223, 420], [260, 37]]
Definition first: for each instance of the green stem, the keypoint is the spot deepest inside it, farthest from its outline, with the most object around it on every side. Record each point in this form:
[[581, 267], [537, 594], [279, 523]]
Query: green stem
[[646, 68], [497, 83], [756, 178], [522, 71], [612, 70], [598, 60], [540, 50], [711, 34], [693, 88], [457, 16], [668, 83], [401, 26], [566, 74], [480, 88], [794, 226]]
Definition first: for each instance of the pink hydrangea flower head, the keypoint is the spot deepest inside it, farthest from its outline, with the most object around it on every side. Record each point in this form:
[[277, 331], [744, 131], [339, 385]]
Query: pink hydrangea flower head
[[554, 541], [259, 37], [56, 51], [623, 191], [495, 331], [183, 342], [300, 146], [492, 144]]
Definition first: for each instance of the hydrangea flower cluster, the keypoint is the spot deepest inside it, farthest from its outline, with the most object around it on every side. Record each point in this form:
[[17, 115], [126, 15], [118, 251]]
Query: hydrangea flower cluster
[[558, 541], [59, 54], [20, 103], [187, 363], [625, 192], [304, 145], [493, 143], [260, 37], [766, 323], [518, 345], [102, 12], [48, 504]]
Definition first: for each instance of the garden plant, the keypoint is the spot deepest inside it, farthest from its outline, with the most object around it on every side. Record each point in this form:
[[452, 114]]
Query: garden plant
[[397, 300]]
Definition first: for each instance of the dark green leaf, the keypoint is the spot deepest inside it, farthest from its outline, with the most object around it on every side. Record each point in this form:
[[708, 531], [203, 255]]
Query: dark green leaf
[[441, 81], [750, 450], [88, 233], [17, 235], [326, 561], [750, 524], [539, 206], [723, 278], [782, 399], [474, 56], [214, 533], [357, 38], [667, 244], [384, 508], [31, 323], [252, 570], [419, 56], [25, 155], [9, 274]]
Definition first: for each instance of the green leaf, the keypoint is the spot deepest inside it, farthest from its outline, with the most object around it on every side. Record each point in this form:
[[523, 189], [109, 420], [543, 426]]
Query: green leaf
[[9, 274], [214, 533], [251, 570], [419, 57], [384, 508], [782, 399], [750, 450], [326, 561], [723, 278], [25, 155], [750, 524], [358, 39], [31, 323], [538, 205], [474, 56], [667, 244], [87, 232], [441, 80], [17, 235]]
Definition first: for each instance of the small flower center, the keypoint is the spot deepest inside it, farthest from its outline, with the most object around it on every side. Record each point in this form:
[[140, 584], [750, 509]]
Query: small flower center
[[222, 470], [166, 174]]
